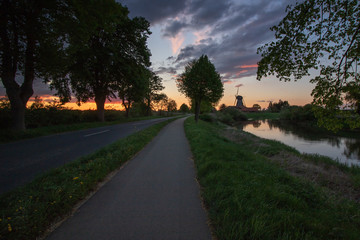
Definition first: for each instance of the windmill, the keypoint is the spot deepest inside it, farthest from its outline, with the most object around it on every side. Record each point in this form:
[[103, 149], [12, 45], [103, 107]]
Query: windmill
[[239, 100]]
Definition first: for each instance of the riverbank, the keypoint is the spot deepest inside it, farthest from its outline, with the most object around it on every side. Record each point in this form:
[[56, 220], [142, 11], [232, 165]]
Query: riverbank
[[261, 189], [27, 212]]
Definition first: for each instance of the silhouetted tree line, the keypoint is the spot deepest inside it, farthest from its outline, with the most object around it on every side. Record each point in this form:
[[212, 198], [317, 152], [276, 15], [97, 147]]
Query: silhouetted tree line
[[88, 49], [41, 114], [277, 106], [298, 113]]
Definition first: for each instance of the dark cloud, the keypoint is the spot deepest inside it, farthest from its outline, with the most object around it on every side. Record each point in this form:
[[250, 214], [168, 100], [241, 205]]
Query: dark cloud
[[238, 33], [207, 12], [187, 53], [169, 70], [235, 29], [155, 10], [173, 28]]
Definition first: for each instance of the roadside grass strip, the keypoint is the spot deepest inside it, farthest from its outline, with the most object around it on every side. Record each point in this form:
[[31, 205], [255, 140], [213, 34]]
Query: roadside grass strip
[[249, 197], [28, 212]]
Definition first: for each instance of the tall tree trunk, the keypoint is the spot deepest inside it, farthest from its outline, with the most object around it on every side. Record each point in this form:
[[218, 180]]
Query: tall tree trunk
[[18, 107], [100, 107], [9, 64], [127, 110], [148, 107], [197, 110], [127, 107]]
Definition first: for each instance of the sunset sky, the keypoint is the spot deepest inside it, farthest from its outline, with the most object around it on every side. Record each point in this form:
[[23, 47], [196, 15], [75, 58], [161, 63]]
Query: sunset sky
[[228, 31]]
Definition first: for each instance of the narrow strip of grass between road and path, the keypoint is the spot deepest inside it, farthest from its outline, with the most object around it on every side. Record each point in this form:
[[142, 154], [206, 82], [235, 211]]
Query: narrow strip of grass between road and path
[[28, 212], [249, 196]]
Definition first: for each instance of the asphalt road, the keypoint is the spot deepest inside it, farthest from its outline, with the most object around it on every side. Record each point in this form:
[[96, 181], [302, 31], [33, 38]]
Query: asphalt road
[[22, 161], [155, 196]]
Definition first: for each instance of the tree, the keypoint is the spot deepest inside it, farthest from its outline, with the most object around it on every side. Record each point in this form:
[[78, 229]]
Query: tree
[[30, 32], [321, 36], [184, 108], [161, 102], [277, 107], [205, 107], [152, 93], [171, 105], [352, 96], [257, 106], [133, 85], [200, 82], [222, 107], [106, 54]]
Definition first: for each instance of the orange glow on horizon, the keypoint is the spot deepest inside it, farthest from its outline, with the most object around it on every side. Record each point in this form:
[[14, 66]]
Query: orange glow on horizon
[[91, 105]]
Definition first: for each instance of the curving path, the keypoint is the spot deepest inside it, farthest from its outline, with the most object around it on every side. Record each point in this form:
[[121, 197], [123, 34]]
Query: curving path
[[155, 196]]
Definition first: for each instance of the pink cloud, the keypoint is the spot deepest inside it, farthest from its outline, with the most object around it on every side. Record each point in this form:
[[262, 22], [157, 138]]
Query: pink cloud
[[240, 72], [247, 66], [176, 42]]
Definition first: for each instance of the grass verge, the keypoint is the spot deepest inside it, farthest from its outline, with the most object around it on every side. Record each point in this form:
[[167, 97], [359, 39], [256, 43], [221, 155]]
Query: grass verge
[[250, 197], [27, 212], [11, 135]]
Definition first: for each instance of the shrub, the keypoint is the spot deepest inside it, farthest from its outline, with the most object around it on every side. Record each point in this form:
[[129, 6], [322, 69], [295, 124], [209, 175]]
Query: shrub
[[297, 113], [235, 114], [206, 117]]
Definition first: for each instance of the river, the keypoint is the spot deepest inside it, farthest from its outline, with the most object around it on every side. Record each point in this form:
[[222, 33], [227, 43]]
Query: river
[[343, 149]]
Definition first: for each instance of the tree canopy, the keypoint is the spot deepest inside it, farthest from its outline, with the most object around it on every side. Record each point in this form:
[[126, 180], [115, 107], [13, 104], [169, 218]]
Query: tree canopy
[[30, 31], [321, 39], [107, 55], [153, 91], [200, 82], [184, 108]]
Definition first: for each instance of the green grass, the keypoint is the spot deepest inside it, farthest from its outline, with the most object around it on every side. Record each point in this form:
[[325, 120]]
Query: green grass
[[248, 197], [10, 135], [262, 115], [27, 212]]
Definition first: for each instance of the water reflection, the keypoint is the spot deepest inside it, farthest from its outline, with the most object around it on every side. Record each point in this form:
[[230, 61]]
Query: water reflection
[[308, 140]]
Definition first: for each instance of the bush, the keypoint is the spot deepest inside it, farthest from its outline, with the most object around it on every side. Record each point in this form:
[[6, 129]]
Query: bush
[[206, 118], [226, 118], [297, 113], [235, 114]]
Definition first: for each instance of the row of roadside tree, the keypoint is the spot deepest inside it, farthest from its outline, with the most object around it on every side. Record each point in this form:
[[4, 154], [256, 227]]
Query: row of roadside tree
[[90, 50]]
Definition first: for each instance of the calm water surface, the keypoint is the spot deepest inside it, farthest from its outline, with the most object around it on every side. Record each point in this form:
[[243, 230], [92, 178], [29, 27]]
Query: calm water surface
[[343, 149]]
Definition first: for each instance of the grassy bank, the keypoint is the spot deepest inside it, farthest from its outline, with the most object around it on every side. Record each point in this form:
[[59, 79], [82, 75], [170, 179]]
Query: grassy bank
[[8, 135], [27, 212], [252, 195]]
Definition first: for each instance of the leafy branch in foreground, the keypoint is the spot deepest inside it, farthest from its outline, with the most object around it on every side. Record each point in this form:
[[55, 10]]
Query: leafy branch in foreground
[[322, 37]]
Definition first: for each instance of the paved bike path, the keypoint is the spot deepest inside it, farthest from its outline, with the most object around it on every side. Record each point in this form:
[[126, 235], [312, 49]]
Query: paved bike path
[[155, 196]]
